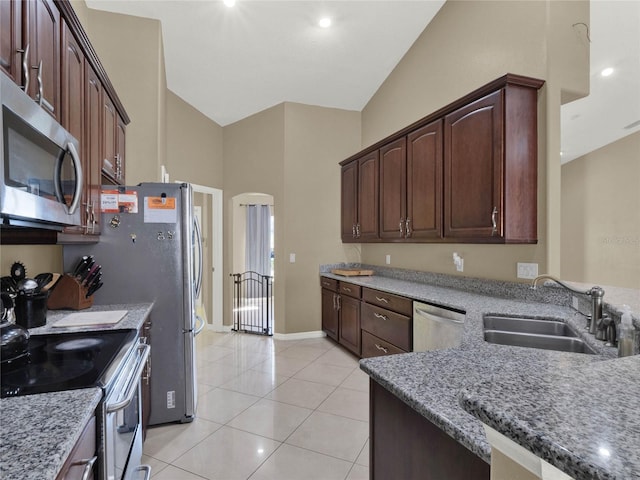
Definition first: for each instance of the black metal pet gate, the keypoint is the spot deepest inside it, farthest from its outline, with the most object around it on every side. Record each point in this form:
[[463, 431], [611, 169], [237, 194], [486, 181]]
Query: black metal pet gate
[[252, 303]]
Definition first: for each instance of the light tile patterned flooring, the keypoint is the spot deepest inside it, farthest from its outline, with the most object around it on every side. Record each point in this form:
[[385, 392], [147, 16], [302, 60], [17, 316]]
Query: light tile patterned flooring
[[269, 409]]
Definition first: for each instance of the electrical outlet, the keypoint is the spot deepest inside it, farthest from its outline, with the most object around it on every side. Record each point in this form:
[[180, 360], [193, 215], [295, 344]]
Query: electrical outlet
[[388, 259], [527, 270], [292, 258]]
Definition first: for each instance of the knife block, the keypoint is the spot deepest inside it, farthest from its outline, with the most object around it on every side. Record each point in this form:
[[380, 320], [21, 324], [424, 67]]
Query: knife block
[[69, 294]]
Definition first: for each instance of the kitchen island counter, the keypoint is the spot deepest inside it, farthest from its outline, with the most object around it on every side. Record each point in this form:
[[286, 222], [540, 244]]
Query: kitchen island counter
[[39, 431], [431, 382], [599, 439]]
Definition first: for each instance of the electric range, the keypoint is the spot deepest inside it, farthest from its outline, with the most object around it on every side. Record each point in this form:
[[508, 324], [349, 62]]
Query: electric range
[[66, 361]]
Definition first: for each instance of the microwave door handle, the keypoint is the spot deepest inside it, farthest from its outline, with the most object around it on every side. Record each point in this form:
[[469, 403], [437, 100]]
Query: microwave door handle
[[78, 168]]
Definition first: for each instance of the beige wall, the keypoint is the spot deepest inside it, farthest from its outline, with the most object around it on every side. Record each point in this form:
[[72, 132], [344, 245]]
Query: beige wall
[[194, 145], [254, 163], [600, 216], [291, 152], [468, 44], [315, 140]]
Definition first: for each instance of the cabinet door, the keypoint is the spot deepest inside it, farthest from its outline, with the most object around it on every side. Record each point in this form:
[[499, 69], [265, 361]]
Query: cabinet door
[[330, 313], [424, 182], [109, 122], [82, 457], [93, 140], [349, 202], [368, 197], [473, 181], [350, 323], [120, 150], [11, 39], [393, 190], [44, 54], [72, 109]]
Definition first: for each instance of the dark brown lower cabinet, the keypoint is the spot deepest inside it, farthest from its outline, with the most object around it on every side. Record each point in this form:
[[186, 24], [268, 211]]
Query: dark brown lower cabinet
[[404, 444], [349, 336], [82, 457]]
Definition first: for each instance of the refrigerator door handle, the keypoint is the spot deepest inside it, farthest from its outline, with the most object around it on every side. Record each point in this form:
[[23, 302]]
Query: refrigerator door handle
[[200, 324], [198, 245]]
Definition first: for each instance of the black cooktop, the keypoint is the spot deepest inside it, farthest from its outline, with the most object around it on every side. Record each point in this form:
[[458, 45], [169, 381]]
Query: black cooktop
[[63, 361]]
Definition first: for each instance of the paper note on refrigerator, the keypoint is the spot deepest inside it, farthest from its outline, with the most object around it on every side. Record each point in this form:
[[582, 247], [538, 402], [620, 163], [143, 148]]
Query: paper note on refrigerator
[[160, 210]]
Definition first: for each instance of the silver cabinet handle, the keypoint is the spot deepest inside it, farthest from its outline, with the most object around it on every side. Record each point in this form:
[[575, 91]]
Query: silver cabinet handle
[[381, 348], [379, 315], [132, 388], [494, 221], [401, 228], [25, 67], [88, 466], [338, 301], [382, 299], [407, 228], [39, 95], [357, 230], [353, 230], [346, 289]]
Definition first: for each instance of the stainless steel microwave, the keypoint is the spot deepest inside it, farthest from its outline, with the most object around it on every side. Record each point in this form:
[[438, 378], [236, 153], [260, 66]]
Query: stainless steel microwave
[[41, 174]]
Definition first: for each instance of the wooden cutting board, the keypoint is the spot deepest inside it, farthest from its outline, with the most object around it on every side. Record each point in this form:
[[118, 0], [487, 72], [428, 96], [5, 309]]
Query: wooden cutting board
[[83, 319], [352, 272]]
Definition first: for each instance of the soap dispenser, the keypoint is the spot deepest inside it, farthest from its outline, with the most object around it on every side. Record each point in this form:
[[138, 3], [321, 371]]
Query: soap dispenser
[[627, 337]]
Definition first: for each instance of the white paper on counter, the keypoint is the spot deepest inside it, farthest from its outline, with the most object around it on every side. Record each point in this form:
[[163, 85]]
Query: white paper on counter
[[82, 319]]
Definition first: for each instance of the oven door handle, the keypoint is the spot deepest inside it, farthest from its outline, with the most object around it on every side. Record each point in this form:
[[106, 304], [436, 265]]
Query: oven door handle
[[146, 469], [132, 388]]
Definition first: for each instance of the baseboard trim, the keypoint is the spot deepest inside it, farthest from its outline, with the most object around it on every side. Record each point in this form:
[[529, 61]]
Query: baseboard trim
[[219, 328], [299, 335]]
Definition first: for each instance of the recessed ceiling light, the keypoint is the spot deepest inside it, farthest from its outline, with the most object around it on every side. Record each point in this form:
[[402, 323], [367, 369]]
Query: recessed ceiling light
[[325, 22], [606, 72], [229, 3]]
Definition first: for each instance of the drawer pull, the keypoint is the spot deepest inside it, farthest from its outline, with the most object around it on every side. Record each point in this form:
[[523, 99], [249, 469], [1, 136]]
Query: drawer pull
[[382, 299], [381, 348], [346, 289], [379, 315]]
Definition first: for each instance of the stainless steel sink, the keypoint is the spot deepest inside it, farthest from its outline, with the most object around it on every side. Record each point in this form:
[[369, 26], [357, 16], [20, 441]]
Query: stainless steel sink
[[533, 333], [528, 325], [546, 342]]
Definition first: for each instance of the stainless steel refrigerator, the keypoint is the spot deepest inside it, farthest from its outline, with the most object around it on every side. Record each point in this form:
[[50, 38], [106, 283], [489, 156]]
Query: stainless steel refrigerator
[[150, 250]]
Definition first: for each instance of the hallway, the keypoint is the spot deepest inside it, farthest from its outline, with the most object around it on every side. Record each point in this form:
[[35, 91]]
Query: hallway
[[269, 409]]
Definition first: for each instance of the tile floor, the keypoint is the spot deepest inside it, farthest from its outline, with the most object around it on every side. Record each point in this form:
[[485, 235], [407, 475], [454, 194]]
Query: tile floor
[[269, 409]]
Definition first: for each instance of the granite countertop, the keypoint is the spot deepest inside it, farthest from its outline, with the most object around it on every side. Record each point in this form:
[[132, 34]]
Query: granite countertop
[[431, 382], [38, 432], [600, 439]]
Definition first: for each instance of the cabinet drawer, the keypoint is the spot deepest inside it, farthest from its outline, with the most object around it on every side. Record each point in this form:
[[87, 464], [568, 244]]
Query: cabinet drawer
[[373, 346], [329, 283], [387, 300], [350, 289], [386, 325]]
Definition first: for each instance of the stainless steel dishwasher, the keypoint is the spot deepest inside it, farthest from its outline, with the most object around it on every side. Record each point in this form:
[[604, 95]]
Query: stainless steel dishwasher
[[435, 327]]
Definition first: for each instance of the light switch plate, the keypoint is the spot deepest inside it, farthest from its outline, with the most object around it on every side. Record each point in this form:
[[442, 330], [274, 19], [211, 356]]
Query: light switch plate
[[292, 258], [388, 259], [527, 270]]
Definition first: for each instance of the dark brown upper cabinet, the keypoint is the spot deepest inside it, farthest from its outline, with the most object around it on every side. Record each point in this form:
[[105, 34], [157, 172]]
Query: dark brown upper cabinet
[[43, 59], [360, 199], [11, 46], [464, 174]]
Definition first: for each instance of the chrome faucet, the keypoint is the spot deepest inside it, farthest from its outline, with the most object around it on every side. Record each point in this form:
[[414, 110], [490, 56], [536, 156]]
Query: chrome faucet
[[595, 293]]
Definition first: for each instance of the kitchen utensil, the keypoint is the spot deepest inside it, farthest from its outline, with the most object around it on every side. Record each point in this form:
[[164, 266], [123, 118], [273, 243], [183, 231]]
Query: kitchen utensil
[[8, 285], [43, 279], [31, 309], [14, 338], [28, 286], [54, 280]]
